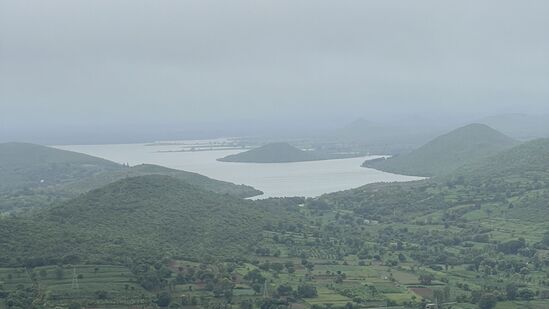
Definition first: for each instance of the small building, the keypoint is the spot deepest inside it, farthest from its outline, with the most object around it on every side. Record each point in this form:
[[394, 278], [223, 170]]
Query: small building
[[431, 306]]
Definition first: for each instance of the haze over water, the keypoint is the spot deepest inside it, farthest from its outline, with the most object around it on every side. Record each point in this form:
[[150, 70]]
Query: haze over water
[[308, 179]]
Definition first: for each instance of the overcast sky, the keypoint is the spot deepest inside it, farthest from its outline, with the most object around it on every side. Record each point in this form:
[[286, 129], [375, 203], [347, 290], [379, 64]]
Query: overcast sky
[[79, 63]]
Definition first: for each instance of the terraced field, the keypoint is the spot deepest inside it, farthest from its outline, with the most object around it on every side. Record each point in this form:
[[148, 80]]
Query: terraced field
[[95, 285]]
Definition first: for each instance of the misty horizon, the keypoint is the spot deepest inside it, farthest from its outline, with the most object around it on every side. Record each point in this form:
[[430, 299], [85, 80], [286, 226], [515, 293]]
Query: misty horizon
[[98, 71]]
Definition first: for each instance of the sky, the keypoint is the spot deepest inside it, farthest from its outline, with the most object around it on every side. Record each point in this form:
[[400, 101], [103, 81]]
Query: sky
[[112, 66]]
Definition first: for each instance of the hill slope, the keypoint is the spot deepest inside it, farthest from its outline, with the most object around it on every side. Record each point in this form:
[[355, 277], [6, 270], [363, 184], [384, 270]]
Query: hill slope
[[201, 181], [27, 166], [272, 153], [447, 152], [150, 216], [513, 183], [34, 176], [528, 161]]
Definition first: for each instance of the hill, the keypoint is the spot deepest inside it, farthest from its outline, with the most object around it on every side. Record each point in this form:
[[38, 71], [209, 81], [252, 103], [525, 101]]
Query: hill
[[514, 182], [272, 153], [525, 163], [147, 216], [34, 176], [448, 152], [201, 181]]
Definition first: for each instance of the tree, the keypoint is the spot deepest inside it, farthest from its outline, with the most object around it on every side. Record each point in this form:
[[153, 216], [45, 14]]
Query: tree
[[246, 304], [256, 287], [511, 291], [307, 291], [255, 276], [163, 299], [284, 289], [373, 290], [487, 301], [511, 246], [101, 294], [526, 294]]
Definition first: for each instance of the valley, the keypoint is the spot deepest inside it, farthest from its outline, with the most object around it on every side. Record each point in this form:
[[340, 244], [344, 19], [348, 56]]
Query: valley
[[475, 237]]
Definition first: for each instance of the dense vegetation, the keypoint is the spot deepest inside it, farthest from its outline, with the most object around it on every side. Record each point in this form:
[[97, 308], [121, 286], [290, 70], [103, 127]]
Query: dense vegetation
[[35, 176], [137, 223], [157, 214], [273, 153], [474, 238], [448, 152]]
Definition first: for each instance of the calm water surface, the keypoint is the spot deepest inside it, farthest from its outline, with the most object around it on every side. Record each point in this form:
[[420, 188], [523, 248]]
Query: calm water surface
[[275, 179]]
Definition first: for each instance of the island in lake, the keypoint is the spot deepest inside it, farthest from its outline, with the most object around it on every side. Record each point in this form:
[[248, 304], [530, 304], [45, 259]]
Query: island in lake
[[274, 153]]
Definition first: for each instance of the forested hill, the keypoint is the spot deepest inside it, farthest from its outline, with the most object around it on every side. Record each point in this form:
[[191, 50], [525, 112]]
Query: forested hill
[[528, 161], [272, 153], [514, 182], [35, 176], [147, 216], [198, 180], [448, 152]]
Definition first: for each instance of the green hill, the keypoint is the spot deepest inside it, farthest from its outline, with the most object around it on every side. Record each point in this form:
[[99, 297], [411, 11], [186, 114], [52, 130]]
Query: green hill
[[513, 182], [148, 216], [34, 176], [525, 163], [201, 181], [448, 152], [272, 153]]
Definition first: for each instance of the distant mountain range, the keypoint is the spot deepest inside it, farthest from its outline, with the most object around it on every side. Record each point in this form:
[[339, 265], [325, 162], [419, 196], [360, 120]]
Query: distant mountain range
[[448, 152]]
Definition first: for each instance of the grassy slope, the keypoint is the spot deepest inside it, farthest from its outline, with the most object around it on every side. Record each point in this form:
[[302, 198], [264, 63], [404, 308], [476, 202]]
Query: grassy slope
[[272, 153], [447, 152]]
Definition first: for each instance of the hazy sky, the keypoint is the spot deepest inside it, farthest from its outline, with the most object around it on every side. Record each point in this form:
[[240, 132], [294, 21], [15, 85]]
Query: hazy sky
[[78, 63]]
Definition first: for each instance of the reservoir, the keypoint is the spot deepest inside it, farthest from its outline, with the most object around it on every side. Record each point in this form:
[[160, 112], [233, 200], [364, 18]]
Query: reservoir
[[309, 179]]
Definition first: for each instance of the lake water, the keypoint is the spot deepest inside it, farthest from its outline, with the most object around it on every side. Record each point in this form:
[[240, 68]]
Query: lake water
[[308, 179]]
